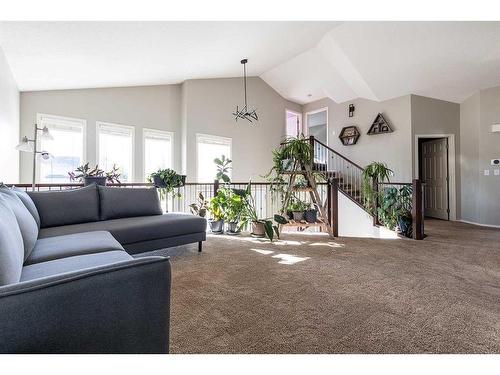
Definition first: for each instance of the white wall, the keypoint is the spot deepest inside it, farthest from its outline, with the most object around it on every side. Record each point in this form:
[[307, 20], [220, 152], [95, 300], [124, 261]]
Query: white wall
[[9, 124], [155, 107], [359, 223], [208, 105], [197, 106], [469, 159], [480, 194], [393, 148]]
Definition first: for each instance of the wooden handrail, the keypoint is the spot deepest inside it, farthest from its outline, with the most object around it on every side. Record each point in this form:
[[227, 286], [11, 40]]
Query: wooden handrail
[[336, 153], [125, 184], [396, 183]]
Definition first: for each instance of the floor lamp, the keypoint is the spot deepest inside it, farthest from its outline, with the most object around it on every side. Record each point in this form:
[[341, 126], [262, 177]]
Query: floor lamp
[[30, 145]]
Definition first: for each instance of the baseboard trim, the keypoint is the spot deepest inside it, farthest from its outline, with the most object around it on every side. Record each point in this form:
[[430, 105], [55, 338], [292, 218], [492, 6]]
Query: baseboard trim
[[479, 224]]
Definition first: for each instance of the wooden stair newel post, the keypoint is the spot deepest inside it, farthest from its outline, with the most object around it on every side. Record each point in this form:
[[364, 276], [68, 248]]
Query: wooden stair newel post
[[333, 205], [417, 210]]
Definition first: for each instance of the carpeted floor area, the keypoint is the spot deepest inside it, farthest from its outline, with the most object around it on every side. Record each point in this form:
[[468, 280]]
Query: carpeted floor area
[[310, 294]]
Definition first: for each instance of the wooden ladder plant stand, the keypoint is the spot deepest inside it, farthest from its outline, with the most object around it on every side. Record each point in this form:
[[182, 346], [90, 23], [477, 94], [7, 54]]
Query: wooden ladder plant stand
[[305, 170]]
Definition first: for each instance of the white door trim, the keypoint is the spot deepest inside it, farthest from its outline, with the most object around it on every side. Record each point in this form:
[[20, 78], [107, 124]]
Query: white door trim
[[306, 128], [299, 115], [451, 168]]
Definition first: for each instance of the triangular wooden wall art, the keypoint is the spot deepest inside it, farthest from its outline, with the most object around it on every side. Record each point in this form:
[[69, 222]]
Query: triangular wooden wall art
[[379, 126]]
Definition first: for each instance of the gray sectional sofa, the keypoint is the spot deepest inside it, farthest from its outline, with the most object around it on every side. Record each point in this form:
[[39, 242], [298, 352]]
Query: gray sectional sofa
[[67, 282]]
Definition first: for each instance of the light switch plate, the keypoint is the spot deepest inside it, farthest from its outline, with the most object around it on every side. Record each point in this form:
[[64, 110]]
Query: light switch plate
[[486, 172], [496, 172]]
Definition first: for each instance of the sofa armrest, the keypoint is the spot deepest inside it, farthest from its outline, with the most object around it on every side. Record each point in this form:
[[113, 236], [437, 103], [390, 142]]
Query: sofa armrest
[[119, 308]]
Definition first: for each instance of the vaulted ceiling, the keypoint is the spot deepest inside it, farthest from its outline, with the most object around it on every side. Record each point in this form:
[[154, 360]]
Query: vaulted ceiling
[[383, 60], [303, 61]]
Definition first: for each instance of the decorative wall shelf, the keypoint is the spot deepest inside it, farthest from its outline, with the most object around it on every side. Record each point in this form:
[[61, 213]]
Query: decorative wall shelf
[[379, 126], [349, 135]]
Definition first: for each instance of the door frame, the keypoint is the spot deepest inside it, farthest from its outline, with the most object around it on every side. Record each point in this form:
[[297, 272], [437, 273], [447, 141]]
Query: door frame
[[306, 133], [452, 187], [299, 114]]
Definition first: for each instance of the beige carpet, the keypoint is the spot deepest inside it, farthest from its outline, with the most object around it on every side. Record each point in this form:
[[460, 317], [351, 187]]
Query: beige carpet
[[309, 294]]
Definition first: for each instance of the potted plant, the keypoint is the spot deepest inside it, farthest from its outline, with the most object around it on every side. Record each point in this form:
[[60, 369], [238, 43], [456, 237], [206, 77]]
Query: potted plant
[[311, 214], [297, 149], [200, 208], [166, 181], [300, 184], [388, 200], [294, 153], [403, 211], [218, 210], [373, 173], [237, 199], [298, 208], [88, 175], [260, 227], [223, 167]]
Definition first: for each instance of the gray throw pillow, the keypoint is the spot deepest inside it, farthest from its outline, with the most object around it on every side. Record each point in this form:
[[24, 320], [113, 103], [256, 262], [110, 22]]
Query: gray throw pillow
[[66, 207], [26, 222], [118, 203], [11, 246], [28, 202]]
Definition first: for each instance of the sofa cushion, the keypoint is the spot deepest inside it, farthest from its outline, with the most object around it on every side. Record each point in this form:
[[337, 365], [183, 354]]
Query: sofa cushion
[[67, 206], [120, 203], [72, 264], [27, 224], [137, 229], [28, 202], [71, 245], [11, 245]]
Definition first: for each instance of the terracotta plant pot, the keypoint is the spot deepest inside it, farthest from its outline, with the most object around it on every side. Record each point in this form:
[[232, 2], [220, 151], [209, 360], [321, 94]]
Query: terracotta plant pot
[[298, 215], [258, 229], [311, 216], [217, 226], [101, 181]]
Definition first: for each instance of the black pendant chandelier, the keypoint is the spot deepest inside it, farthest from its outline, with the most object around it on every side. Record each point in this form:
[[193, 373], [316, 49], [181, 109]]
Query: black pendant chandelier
[[244, 113]]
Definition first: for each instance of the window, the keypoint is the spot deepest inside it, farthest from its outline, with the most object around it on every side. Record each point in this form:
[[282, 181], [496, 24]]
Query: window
[[208, 148], [67, 148], [116, 146], [158, 150]]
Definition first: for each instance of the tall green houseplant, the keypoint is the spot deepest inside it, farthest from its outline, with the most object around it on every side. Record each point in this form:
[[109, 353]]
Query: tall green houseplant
[[374, 173]]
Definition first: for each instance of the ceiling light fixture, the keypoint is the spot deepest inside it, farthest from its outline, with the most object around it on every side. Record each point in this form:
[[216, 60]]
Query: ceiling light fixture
[[244, 113]]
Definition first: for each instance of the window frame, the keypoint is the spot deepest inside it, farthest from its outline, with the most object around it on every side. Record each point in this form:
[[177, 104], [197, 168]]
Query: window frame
[[122, 126], [224, 140], [172, 143], [57, 118]]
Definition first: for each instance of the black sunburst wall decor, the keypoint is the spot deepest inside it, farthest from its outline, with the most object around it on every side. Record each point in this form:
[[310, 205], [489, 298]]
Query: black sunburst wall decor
[[244, 113]]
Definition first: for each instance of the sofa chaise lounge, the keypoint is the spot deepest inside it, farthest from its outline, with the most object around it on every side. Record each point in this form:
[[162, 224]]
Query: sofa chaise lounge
[[67, 282]]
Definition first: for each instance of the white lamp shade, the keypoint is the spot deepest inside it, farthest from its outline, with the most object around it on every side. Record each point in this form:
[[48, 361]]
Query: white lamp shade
[[25, 145], [46, 134], [44, 156]]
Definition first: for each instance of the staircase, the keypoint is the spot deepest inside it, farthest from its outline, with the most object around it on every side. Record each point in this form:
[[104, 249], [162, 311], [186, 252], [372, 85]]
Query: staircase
[[333, 165], [349, 176]]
